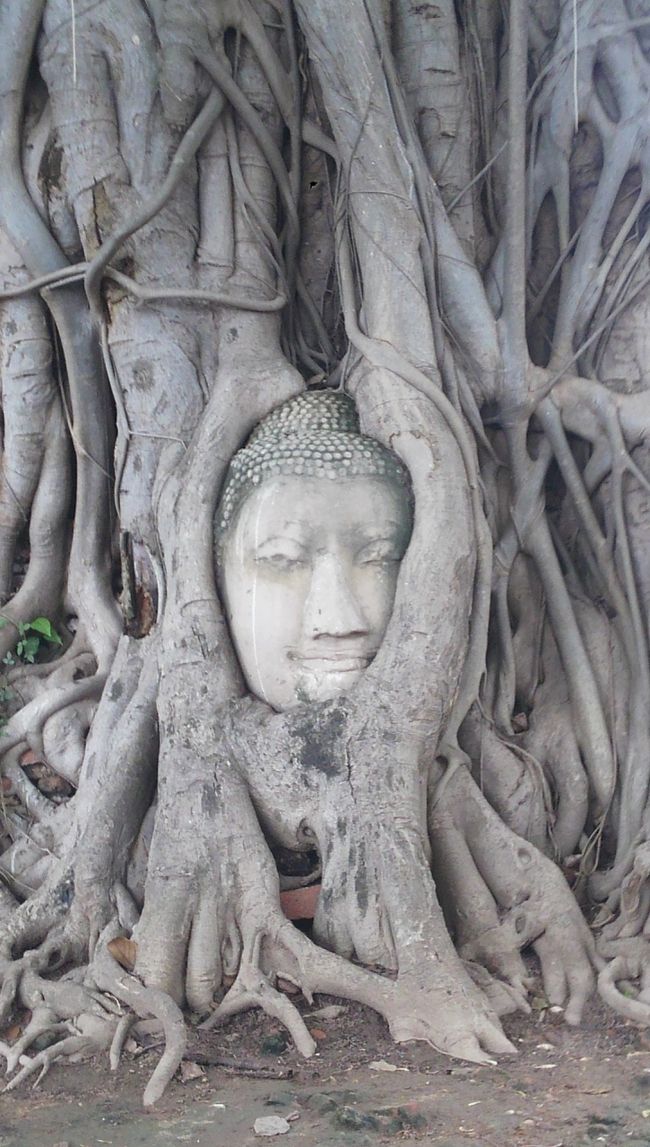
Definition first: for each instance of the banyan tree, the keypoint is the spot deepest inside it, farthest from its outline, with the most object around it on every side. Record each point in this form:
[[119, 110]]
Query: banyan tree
[[323, 513]]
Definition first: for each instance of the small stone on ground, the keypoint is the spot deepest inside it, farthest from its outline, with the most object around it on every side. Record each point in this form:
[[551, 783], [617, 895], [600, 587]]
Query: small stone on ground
[[269, 1125]]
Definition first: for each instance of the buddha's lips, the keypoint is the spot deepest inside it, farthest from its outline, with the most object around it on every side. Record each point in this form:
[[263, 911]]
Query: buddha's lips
[[334, 662]]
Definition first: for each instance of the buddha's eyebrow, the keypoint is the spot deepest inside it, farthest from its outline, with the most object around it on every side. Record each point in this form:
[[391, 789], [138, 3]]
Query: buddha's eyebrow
[[274, 538]]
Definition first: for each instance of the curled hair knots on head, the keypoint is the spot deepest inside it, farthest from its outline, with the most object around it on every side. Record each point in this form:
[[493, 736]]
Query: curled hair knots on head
[[314, 435]]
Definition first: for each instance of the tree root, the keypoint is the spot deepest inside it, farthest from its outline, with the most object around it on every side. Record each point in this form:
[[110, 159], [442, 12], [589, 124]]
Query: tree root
[[72, 1048], [431, 1005], [252, 989], [632, 963], [520, 891], [30, 720], [634, 904], [502, 995], [111, 978], [42, 1020], [119, 1039], [32, 963], [64, 1006]]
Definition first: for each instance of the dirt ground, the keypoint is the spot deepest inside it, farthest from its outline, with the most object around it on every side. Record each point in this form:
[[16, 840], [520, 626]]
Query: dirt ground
[[566, 1087]]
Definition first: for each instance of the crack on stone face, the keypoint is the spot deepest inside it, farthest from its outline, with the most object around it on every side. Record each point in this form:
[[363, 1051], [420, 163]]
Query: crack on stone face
[[348, 762]]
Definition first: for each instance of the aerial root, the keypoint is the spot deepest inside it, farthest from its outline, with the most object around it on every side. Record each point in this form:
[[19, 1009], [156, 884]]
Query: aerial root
[[43, 1020], [75, 664], [634, 899], [55, 951], [504, 996], [119, 1039], [10, 985], [70, 1006], [72, 1048], [145, 1002], [498, 948], [86, 1008], [28, 723], [412, 1010], [252, 989], [632, 963]]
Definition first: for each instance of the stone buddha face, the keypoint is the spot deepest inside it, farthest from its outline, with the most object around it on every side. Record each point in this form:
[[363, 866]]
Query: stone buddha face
[[309, 554]]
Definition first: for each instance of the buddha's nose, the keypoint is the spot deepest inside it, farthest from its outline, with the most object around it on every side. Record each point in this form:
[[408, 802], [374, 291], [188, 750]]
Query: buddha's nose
[[332, 608]]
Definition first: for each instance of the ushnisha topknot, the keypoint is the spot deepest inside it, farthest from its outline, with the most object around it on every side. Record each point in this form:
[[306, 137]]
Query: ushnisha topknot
[[315, 435]]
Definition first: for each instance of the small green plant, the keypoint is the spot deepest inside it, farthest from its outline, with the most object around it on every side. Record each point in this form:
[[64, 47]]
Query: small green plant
[[32, 635]]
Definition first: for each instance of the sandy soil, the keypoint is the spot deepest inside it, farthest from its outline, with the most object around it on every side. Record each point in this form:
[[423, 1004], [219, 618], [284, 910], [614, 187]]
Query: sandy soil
[[566, 1088]]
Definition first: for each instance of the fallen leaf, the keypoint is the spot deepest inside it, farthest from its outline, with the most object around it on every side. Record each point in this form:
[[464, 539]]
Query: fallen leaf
[[10, 1035], [289, 989], [124, 951], [270, 1125], [331, 1012], [318, 1034], [30, 758]]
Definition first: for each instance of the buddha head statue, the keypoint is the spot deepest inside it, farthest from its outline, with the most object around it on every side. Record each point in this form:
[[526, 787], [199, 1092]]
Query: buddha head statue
[[313, 521]]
